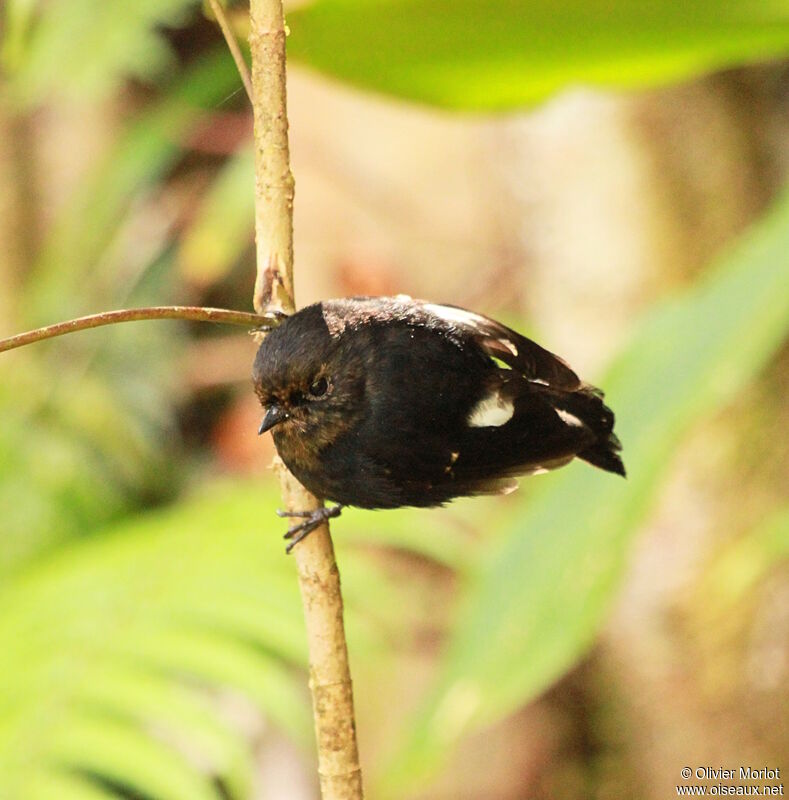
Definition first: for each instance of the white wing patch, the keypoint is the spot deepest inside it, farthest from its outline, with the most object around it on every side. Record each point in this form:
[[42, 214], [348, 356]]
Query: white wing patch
[[456, 315], [485, 327], [568, 418], [491, 411]]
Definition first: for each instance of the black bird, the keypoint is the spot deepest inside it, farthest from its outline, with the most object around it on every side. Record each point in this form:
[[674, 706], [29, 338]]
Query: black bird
[[380, 402]]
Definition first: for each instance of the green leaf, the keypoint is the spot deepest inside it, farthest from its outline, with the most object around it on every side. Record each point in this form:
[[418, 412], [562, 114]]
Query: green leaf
[[502, 54], [130, 756], [224, 224], [60, 473], [542, 596], [84, 418], [182, 714], [17, 21], [69, 264], [119, 651], [64, 785], [735, 572], [80, 50]]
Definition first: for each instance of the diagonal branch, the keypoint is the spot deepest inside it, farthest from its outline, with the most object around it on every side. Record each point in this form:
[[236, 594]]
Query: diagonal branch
[[232, 44], [319, 580], [194, 313]]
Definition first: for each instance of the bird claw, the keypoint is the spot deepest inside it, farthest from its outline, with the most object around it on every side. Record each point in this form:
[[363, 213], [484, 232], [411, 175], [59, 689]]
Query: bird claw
[[312, 520]]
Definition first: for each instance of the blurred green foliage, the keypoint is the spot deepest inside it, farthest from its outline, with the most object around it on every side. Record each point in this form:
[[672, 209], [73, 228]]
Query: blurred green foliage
[[541, 596], [81, 50], [468, 55], [117, 651], [74, 253], [120, 648], [220, 230], [84, 417], [738, 569], [130, 636]]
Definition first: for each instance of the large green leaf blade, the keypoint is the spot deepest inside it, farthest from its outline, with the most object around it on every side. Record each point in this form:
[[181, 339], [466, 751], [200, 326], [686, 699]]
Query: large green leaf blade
[[120, 644], [146, 628], [182, 713], [128, 755], [65, 786], [540, 599], [503, 54]]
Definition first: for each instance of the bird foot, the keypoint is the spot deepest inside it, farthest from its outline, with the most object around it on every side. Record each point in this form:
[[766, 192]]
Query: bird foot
[[312, 520]]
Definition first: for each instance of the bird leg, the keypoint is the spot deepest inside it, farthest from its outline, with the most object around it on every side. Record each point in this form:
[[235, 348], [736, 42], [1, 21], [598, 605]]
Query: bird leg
[[312, 520]]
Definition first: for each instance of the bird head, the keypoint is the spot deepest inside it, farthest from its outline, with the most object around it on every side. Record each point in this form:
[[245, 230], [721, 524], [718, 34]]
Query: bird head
[[307, 382]]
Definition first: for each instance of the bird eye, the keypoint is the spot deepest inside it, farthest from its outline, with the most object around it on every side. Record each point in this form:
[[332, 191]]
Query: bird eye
[[319, 387]]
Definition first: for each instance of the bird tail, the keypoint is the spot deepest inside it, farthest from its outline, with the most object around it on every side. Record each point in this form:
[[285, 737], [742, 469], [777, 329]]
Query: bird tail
[[586, 404], [605, 454]]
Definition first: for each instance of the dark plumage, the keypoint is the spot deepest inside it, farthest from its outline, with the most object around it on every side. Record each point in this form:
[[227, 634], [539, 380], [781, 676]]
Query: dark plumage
[[387, 401]]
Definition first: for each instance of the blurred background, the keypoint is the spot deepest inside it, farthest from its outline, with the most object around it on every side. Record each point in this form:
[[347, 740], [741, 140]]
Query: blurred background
[[605, 178]]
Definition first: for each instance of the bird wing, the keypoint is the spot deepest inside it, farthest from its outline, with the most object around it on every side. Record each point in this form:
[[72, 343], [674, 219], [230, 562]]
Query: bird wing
[[523, 355]]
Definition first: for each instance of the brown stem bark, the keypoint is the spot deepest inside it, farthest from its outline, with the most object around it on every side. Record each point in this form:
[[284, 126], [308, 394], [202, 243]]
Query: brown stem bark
[[194, 313], [319, 579]]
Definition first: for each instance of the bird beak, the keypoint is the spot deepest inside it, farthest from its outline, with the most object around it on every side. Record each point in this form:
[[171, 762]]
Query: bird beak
[[273, 416]]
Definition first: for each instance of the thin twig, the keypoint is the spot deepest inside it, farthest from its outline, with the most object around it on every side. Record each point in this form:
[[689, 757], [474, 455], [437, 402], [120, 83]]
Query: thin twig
[[319, 580], [232, 43], [194, 313]]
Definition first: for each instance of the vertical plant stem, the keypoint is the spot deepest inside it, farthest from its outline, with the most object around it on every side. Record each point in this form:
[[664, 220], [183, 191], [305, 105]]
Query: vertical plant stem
[[273, 178], [319, 579]]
